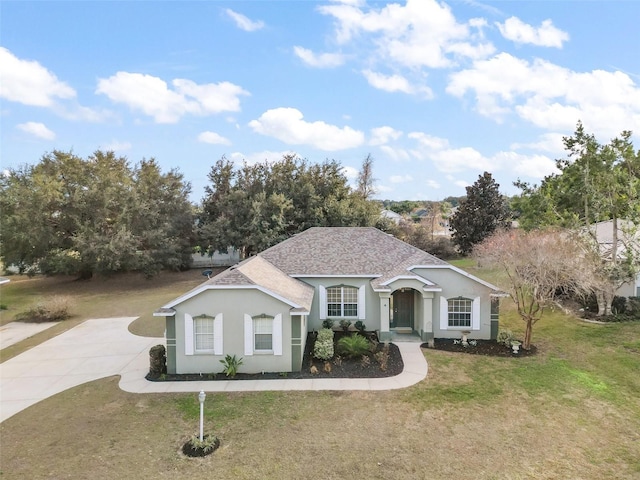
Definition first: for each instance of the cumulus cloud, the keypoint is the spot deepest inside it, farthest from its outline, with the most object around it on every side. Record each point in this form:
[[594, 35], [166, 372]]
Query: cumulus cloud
[[37, 130], [214, 138], [350, 172], [550, 96], [152, 96], [28, 82], [394, 83], [395, 153], [546, 35], [383, 135], [116, 146], [400, 178], [420, 33], [288, 125], [547, 142], [322, 60], [243, 22]]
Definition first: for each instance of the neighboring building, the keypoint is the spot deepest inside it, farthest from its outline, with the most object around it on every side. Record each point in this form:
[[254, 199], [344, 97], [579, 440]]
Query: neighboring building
[[263, 308], [391, 215], [216, 259], [628, 239]]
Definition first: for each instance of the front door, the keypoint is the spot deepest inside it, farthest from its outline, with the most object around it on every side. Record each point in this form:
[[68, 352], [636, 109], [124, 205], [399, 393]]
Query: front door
[[402, 308]]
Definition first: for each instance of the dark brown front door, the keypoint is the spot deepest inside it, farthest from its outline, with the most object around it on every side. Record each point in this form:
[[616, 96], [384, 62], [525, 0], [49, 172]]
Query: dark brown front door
[[403, 308]]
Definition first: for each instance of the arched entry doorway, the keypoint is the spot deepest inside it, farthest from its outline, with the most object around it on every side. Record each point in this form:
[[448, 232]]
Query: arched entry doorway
[[402, 308]]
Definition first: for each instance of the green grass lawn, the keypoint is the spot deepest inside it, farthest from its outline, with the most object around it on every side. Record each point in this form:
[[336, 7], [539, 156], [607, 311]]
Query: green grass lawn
[[571, 411]]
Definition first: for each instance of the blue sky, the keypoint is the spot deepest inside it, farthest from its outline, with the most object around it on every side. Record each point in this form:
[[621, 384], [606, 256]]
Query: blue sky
[[436, 92]]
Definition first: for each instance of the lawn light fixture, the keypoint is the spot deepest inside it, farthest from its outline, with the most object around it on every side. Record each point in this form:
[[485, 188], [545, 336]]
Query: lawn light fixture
[[201, 397]]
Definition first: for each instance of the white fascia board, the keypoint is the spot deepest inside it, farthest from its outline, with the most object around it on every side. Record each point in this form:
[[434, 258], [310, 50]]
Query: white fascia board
[[409, 277], [458, 270], [164, 314], [305, 275], [198, 291], [300, 313]]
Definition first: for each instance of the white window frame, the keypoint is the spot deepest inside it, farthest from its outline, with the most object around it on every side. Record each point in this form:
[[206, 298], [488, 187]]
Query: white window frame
[[444, 313], [462, 307], [324, 303], [190, 335], [250, 335]]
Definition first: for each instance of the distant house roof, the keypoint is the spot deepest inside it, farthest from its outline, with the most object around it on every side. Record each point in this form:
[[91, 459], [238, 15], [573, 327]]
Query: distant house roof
[[391, 215]]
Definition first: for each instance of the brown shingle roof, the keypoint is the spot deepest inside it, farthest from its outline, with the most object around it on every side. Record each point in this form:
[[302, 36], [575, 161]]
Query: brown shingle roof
[[364, 251]]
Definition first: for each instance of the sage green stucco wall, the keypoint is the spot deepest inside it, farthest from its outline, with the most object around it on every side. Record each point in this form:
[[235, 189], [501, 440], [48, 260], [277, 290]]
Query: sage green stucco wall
[[233, 304], [372, 305], [455, 284]]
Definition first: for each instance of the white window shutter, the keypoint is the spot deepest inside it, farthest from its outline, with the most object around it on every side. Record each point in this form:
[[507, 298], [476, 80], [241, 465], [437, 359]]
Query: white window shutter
[[217, 335], [277, 334], [248, 335], [444, 313], [475, 314], [322, 302], [188, 334], [362, 300]]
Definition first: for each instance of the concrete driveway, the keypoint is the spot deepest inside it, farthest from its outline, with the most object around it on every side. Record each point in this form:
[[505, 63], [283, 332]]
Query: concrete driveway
[[104, 347], [92, 350]]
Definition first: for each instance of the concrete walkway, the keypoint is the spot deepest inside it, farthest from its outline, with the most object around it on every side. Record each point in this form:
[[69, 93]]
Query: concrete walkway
[[104, 347], [15, 332]]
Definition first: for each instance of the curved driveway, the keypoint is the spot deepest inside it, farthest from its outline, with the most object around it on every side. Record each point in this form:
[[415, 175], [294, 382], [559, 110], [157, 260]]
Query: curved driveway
[[104, 347]]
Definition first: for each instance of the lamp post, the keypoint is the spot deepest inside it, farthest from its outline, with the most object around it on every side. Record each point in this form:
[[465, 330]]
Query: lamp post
[[201, 397]]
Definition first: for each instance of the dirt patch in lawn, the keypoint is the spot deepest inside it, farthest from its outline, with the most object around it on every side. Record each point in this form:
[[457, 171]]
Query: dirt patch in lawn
[[368, 366], [489, 348]]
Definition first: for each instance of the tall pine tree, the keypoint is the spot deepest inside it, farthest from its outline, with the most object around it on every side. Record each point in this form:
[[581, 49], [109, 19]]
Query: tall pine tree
[[481, 213]]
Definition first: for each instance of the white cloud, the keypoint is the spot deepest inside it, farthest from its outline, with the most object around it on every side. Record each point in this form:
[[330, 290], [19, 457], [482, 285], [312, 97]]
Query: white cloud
[[268, 156], [429, 141], [395, 153], [383, 135], [432, 184], [461, 183], [421, 33], [546, 35], [116, 146], [322, 60], [28, 82], [288, 125], [350, 172], [394, 83], [214, 138], [153, 97], [37, 130], [400, 178], [243, 22], [550, 96], [547, 142]]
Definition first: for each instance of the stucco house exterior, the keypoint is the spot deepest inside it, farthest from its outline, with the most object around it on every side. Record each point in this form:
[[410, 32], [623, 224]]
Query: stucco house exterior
[[263, 308], [628, 241]]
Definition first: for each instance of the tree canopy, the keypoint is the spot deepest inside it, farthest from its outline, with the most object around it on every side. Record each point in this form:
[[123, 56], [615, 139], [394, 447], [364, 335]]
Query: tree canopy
[[257, 206], [595, 183], [70, 215], [482, 212], [534, 268]]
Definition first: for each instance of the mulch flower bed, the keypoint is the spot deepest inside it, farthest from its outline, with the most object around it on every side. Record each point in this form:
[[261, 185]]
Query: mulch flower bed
[[337, 367], [489, 348]]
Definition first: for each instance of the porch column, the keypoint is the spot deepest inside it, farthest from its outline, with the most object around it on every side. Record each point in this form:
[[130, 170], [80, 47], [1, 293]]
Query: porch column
[[384, 316], [426, 332]]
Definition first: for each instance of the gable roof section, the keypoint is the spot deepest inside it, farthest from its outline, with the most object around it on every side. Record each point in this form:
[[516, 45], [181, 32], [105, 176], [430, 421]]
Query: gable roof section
[[256, 273]]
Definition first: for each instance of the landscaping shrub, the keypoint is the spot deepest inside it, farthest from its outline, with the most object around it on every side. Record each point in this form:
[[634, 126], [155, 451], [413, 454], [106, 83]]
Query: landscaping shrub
[[345, 324], [323, 347], [52, 309], [382, 357], [231, 365], [353, 346], [327, 323], [505, 337], [157, 360], [360, 326]]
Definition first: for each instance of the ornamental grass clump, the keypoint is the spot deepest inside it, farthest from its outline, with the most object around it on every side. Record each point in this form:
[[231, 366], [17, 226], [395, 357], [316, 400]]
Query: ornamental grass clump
[[323, 348], [51, 309]]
